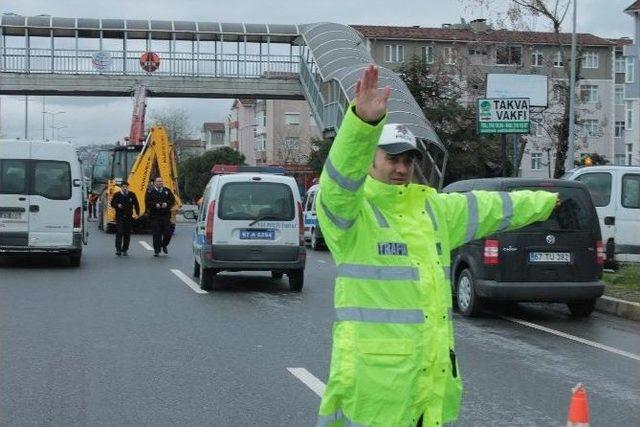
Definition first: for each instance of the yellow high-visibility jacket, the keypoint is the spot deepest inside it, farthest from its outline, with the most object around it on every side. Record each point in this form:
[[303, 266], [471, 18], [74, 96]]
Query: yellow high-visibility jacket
[[393, 356]]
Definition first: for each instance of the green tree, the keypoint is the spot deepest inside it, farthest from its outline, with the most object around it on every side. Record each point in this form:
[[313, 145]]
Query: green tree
[[195, 172], [319, 152], [438, 92]]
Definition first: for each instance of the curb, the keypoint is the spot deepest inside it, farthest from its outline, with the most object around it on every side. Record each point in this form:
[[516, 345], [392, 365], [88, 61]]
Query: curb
[[618, 307]]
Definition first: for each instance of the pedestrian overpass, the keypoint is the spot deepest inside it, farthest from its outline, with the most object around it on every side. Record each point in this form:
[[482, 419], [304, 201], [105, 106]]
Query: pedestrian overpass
[[320, 62]]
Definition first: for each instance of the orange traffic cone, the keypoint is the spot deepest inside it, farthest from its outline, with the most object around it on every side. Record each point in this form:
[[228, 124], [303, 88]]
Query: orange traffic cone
[[578, 408]]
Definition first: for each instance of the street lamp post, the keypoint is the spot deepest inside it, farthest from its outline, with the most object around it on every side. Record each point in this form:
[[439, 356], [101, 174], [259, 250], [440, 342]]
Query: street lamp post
[[53, 121], [568, 165]]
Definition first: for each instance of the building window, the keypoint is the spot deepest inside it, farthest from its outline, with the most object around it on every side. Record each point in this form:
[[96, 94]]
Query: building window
[[629, 116], [557, 60], [619, 96], [426, 53], [629, 77], [590, 128], [619, 130], [394, 53], [449, 55], [292, 119], [629, 154], [590, 60], [537, 58], [260, 143], [619, 161], [261, 118], [508, 55], [589, 93], [536, 161], [620, 61], [536, 127]]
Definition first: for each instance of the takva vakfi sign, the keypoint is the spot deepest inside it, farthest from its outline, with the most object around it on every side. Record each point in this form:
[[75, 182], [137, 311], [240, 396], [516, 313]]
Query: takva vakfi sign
[[503, 115]]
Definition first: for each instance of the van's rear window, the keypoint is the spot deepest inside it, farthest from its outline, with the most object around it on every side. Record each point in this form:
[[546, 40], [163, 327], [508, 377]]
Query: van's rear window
[[52, 179], [13, 176], [256, 200], [576, 212]]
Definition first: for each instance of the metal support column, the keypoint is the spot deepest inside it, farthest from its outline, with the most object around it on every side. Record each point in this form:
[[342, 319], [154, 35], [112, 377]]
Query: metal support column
[[51, 49], [124, 51], [77, 60], [27, 59], [197, 73]]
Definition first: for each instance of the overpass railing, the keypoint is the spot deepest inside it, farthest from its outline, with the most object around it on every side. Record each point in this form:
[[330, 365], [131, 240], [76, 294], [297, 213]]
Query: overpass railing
[[71, 61]]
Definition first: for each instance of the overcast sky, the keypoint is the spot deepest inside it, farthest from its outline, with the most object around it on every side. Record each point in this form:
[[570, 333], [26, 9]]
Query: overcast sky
[[105, 120]]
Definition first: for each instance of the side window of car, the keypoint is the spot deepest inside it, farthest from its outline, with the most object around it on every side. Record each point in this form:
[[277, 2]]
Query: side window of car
[[599, 185], [631, 191], [311, 202]]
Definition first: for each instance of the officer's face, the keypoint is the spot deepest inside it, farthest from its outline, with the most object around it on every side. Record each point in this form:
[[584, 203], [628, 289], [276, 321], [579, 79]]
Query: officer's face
[[158, 182], [395, 170]]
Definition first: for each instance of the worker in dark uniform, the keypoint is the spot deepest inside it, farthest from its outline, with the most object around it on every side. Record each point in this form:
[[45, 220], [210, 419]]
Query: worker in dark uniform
[[159, 202], [125, 203]]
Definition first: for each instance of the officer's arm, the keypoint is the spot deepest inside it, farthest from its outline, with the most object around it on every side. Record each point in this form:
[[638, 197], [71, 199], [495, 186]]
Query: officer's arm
[[344, 173], [147, 200], [114, 201], [172, 199], [477, 214]]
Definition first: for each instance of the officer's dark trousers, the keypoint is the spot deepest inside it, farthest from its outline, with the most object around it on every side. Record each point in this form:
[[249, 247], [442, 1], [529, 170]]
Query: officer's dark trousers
[[123, 234], [161, 228]]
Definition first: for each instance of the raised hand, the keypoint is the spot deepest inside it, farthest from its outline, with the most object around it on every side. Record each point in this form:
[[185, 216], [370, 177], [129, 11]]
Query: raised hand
[[371, 102]]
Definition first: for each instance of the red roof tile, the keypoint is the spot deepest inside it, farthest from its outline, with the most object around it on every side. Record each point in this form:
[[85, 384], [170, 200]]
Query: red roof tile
[[466, 35], [622, 41]]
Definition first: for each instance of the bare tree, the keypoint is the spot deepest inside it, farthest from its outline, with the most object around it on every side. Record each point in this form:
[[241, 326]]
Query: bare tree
[[289, 147], [175, 120]]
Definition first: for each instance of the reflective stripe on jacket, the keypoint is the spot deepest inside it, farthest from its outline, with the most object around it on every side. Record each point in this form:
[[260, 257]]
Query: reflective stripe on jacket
[[393, 356]]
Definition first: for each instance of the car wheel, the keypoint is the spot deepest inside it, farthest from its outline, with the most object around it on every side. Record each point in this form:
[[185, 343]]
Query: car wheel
[[296, 280], [207, 278], [277, 275], [75, 260], [315, 245], [469, 303], [196, 269], [582, 308]]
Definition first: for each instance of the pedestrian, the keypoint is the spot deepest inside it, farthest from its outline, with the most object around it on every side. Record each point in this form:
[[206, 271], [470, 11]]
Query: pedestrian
[[394, 360], [159, 202], [125, 203], [92, 199]]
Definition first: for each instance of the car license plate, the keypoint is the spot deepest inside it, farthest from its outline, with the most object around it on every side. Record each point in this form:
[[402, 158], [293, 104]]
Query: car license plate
[[257, 234], [559, 257], [10, 215]]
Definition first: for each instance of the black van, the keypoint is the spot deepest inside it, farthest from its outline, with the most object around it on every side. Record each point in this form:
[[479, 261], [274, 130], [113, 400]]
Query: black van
[[559, 260]]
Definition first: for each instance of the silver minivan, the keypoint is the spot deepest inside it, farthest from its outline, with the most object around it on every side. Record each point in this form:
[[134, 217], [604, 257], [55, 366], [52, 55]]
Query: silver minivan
[[249, 222]]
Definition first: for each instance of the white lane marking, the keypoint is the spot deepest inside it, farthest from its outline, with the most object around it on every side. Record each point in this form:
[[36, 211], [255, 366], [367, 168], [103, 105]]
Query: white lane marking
[[145, 245], [187, 280], [574, 338], [309, 380], [321, 261]]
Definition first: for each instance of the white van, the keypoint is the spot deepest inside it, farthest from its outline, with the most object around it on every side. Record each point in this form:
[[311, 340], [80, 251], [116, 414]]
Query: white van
[[312, 233], [615, 191], [249, 222], [41, 199]]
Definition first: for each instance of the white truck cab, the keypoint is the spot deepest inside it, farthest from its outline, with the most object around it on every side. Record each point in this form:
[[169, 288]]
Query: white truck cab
[[41, 199], [250, 222], [615, 191]]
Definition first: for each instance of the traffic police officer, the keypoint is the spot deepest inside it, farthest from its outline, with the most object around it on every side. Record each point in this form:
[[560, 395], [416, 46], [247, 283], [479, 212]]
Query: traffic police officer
[[393, 361], [159, 202], [124, 202]]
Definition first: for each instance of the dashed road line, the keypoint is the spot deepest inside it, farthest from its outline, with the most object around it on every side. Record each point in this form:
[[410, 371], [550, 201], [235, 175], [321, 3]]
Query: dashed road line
[[145, 245], [187, 280], [309, 380], [574, 338]]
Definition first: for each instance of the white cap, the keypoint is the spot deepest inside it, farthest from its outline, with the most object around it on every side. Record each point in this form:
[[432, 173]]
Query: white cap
[[396, 139]]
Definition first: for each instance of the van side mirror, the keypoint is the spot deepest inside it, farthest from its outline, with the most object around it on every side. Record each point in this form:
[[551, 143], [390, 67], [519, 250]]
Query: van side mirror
[[190, 215]]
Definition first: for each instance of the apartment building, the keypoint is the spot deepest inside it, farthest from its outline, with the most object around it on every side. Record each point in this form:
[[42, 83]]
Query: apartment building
[[628, 76], [272, 132], [471, 50], [213, 135]]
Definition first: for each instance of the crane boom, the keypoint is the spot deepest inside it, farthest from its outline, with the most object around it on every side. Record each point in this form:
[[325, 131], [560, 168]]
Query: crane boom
[[136, 134]]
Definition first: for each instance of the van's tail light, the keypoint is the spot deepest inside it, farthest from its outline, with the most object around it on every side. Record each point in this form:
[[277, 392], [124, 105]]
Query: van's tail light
[[600, 255], [491, 252], [77, 218], [300, 225], [208, 230]]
